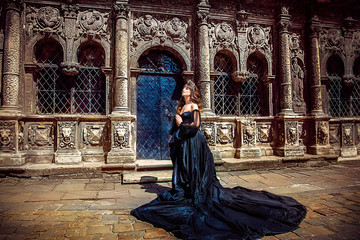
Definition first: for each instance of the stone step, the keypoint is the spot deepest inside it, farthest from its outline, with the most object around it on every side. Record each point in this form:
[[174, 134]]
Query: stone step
[[147, 176]]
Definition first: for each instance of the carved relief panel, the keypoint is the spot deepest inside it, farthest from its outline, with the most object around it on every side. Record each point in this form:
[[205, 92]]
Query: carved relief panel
[[357, 134], [248, 137], [121, 134], [209, 132], [225, 133], [66, 135], [7, 136], [292, 133], [322, 133], [264, 132], [331, 40], [259, 39], [159, 29], [347, 134], [93, 23], [44, 20], [334, 133], [93, 134], [222, 36], [40, 135]]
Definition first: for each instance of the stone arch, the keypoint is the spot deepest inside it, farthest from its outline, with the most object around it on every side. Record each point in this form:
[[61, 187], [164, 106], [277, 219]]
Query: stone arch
[[264, 63], [30, 56], [335, 59], [89, 43], [233, 56], [324, 61], [96, 41], [178, 52]]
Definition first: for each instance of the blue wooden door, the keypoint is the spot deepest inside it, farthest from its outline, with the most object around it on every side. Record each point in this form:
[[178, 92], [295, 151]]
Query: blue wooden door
[[158, 91]]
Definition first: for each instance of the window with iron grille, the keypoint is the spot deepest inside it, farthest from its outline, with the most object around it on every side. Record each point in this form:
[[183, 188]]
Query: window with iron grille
[[89, 90], [355, 98], [232, 98], [52, 88], [339, 94], [225, 89], [61, 94]]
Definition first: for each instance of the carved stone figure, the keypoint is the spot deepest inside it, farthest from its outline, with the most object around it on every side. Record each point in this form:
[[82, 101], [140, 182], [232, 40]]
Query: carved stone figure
[[224, 32], [48, 17], [249, 133], [291, 133], [7, 136], [208, 130], [67, 135], [347, 134], [121, 134], [322, 133], [297, 80], [176, 29], [146, 26]]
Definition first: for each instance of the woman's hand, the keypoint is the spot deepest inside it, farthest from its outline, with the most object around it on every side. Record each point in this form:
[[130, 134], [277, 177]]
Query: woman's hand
[[178, 119]]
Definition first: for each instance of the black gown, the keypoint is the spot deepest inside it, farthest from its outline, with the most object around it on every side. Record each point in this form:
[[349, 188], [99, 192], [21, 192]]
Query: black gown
[[199, 207]]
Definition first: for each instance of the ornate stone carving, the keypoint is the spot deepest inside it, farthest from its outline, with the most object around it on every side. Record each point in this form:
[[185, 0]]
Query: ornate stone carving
[[21, 135], [347, 134], [264, 133], [70, 68], [209, 132], [67, 131], [357, 133], [7, 136], [331, 40], [45, 19], [259, 38], [294, 43], [70, 10], [222, 35], [41, 135], [94, 23], [225, 133], [121, 10], [356, 42], [334, 134], [284, 22], [148, 28], [121, 134], [297, 78], [249, 133], [322, 133], [93, 134], [292, 134]]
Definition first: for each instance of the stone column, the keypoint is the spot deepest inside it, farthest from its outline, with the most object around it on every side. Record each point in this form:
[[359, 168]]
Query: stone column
[[204, 55], [315, 79], [11, 70], [121, 11], [286, 107]]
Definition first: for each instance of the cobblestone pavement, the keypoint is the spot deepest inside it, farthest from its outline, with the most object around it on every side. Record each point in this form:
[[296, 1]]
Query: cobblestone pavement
[[48, 208]]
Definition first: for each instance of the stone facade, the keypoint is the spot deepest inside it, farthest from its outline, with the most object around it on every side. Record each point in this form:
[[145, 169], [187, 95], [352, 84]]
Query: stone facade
[[303, 52]]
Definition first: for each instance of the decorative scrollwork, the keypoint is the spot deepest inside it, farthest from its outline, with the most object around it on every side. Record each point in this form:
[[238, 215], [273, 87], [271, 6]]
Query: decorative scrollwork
[[258, 38], [249, 133], [45, 19], [347, 134], [292, 133]]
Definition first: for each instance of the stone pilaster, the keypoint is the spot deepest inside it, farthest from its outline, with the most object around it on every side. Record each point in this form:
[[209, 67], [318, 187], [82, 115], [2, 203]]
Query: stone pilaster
[[315, 77], [286, 107], [69, 66], [121, 14], [248, 138], [204, 55], [241, 27], [11, 63], [67, 143]]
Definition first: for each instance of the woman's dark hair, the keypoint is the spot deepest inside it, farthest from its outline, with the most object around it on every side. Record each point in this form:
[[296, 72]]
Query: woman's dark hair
[[194, 97]]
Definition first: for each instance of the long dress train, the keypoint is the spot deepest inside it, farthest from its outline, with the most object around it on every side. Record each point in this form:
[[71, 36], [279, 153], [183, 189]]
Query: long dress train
[[199, 207]]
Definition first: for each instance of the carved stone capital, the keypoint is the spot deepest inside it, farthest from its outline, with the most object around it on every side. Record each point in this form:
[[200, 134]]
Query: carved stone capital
[[240, 76], [203, 13], [70, 11], [121, 10], [15, 5], [315, 27], [284, 22], [348, 79], [70, 68]]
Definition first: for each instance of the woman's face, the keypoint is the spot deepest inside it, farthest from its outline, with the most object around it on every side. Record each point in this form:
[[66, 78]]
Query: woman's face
[[186, 91]]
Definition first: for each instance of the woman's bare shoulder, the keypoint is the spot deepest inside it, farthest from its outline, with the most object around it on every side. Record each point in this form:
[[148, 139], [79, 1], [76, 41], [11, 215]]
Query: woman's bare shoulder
[[194, 106]]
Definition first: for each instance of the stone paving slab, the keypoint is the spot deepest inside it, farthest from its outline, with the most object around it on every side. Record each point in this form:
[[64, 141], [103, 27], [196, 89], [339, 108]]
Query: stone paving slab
[[99, 208]]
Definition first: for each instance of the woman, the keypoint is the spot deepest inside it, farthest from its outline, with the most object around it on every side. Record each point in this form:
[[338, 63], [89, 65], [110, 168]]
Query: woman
[[198, 206]]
